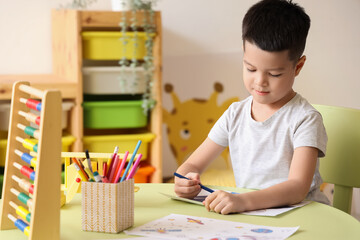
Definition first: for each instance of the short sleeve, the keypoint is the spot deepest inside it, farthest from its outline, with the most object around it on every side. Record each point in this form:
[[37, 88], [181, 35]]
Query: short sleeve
[[310, 132], [219, 133]]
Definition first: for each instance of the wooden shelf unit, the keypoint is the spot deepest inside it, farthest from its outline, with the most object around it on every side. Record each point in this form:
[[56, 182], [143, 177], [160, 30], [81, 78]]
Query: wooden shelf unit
[[39, 81], [67, 26]]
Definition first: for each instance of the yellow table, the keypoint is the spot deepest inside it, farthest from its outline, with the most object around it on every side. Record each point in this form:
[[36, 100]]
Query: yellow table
[[316, 221]]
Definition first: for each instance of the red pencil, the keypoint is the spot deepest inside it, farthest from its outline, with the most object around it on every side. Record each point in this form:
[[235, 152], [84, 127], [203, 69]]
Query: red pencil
[[104, 169], [111, 163], [114, 167], [118, 173]]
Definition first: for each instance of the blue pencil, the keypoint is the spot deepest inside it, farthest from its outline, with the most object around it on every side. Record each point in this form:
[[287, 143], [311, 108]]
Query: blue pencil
[[131, 160], [202, 186]]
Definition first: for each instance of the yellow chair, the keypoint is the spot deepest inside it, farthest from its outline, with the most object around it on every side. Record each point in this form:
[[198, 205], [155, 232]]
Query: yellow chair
[[341, 165]]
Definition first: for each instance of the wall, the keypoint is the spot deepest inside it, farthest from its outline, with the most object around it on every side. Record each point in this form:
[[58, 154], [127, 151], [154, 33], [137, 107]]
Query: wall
[[205, 35], [202, 44]]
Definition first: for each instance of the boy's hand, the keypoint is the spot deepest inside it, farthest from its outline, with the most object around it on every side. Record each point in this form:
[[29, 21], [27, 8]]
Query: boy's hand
[[188, 188], [224, 202]]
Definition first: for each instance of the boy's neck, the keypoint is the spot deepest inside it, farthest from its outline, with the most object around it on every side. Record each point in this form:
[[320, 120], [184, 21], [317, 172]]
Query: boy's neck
[[261, 112]]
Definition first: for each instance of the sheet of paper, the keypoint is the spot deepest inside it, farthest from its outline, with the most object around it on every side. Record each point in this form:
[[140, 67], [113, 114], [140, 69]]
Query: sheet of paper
[[194, 201], [176, 226], [271, 212]]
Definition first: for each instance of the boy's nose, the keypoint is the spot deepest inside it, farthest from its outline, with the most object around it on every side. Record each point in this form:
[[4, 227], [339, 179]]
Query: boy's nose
[[261, 80]]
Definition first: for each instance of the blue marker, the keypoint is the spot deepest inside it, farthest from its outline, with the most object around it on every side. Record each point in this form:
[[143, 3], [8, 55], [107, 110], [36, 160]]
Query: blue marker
[[131, 161], [202, 186]]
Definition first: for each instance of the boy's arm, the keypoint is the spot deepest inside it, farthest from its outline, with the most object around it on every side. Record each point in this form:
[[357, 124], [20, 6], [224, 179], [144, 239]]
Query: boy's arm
[[194, 166], [292, 191]]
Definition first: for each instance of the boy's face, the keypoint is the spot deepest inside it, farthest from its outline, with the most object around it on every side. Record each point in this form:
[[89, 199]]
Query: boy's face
[[269, 76]]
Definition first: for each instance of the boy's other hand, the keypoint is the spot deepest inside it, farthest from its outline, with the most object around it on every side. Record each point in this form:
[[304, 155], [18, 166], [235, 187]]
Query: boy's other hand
[[224, 202], [188, 188]]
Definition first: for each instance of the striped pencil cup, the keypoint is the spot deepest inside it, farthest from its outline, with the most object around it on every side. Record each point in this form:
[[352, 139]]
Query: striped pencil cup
[[107, 207]]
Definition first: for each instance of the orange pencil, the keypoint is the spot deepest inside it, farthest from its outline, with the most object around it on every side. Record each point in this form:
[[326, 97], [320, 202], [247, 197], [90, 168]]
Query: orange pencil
[[81, 169], [118, 167]]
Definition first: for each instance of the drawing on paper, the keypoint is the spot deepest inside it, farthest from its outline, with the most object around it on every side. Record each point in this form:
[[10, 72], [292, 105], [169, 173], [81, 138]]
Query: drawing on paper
[[177, 226]]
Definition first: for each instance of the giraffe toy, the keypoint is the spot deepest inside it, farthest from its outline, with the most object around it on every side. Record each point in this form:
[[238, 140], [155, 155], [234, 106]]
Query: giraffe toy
[[189, 122]]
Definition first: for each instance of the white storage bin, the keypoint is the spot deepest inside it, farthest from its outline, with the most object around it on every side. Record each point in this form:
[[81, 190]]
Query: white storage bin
[[5, 115], [114, 80], [66, 107]]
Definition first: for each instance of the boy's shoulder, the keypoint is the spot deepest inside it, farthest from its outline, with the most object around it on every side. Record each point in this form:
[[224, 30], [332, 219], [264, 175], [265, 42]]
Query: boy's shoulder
[[300, 110], [241, 104], [239, 107], [302, 105]]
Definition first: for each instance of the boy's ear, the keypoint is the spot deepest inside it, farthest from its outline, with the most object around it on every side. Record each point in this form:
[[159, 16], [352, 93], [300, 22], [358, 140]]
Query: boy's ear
[[299, 65]]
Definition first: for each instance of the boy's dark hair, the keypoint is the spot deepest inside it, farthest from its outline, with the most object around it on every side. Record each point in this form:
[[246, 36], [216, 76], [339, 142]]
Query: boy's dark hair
[[277, 25]]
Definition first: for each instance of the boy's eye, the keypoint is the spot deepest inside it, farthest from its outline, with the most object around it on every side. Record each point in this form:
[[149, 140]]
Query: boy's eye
[[251, 70], [275, 75]]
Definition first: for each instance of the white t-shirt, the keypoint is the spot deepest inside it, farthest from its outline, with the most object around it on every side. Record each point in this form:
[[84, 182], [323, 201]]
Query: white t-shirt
[[261, 152]]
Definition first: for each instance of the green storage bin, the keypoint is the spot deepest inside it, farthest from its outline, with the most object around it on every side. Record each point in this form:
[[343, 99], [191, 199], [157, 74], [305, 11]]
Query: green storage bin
[[114, 114]]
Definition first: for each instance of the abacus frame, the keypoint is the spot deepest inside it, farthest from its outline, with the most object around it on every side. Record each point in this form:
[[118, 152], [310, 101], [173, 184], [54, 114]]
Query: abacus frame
[[45, 214]]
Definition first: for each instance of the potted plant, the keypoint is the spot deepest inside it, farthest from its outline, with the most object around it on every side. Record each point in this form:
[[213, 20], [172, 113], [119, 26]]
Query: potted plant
[[148, 27], [136, 65]]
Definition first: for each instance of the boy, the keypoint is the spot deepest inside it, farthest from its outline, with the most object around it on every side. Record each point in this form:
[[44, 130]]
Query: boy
[[275, 136]]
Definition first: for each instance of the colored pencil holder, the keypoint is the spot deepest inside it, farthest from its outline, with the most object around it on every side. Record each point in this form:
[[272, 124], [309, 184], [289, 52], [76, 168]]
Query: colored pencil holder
[[107, 207]]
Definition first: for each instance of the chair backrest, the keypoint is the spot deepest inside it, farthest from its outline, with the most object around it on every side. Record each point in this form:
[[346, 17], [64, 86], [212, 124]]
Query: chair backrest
[[341, 165]]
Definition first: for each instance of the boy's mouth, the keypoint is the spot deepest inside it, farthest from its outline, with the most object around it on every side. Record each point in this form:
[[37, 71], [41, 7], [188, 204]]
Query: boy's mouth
[[261, 93]]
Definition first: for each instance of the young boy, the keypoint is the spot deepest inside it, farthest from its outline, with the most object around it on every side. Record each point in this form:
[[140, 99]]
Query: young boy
[[275, 136]]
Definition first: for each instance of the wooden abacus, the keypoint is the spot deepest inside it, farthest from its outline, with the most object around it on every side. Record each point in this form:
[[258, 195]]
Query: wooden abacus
[[36, 212]]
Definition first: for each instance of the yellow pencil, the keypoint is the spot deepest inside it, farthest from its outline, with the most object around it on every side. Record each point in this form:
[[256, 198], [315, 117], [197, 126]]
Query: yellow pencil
[[89, 173]]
